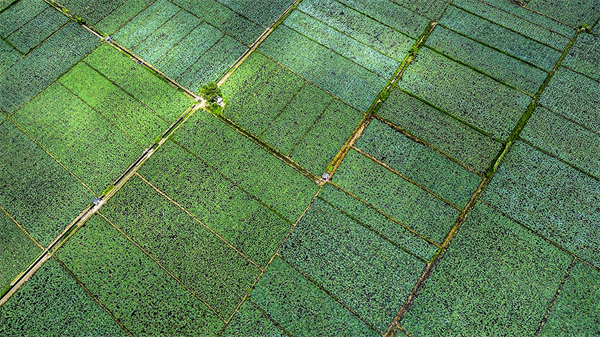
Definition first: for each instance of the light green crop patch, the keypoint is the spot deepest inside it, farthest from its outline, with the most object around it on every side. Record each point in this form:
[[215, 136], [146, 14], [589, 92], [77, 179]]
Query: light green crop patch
[[227, 209], [574, 13], [492, 266], [250, 321], [584, 56]]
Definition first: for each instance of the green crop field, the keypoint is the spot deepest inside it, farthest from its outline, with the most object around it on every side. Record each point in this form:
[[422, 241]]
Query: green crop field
[[299, 168]]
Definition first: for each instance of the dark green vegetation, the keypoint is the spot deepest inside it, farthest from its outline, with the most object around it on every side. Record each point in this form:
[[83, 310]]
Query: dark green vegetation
[[139, 293], [18, 251], [493, 266], [52, 303], [381, 168]]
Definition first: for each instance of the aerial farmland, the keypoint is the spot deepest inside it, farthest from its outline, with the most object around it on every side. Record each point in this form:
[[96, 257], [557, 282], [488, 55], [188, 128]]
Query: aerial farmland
[[299, 168]]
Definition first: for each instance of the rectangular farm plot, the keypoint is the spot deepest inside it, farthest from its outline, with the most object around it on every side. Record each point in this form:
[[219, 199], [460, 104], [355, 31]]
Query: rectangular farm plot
[[498, 37], [36, 191], [138, 292], [501, 66], [419, 163], [351, 82], [576, 311], [574, 96], [371, 218], [262, 12], [564, 139], [432, 9], [77, 136], [493, 266], [550, 197], [364, 271], [301, 307], [52, 303], [37, 30], [197, 257], [32, 73], [128, 114], [396, 197], [464, 93], [8, 56], [108, 16], [164, 99], [442, 131], [18, 14], [18, 251], [227, 209], [584, 56], [224, 18], [526, 27], [247, 164], [573, 13]]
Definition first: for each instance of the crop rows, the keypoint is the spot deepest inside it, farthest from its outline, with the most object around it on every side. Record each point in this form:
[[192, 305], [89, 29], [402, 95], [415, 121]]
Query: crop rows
[[150, 89], [575, 311], [584, 56], [564, 139], [290, 126], [531, 16], [160, 41], [371, 218], [327, 136], [573, 96], [250, 321], [141, 295], [213, 63], [572, 13], [19, 14], [248, 165], [145, 23], [396, 197], [32, 73], [343, 44], [263, 12], [432, 9], [500, 38], [266, 104], [126, 113], [419, 163], [42, 196], [192, 253], [119, 12], [187, 51], [492, 62], [224, 18], [466, 94], [8, 56], [301, 307], [18, 251], [502, 18], [440, 130], [52, 303], [530, 187], [366, 30], [224, 207], [366, 272], [80, 138], [493, 266], [37, 30], [327, 69]]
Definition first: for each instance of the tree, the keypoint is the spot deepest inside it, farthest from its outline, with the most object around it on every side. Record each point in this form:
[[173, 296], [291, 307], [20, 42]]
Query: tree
[[210, 92]]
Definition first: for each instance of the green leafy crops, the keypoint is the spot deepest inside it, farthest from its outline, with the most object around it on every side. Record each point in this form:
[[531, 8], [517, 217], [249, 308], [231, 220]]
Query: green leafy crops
[[250, 321], [37, 30], [263, 12], [41, 195], [493, 266], [584, 56], [224, 207], [366, 272], [52, 303], [403, 201], [198, 258], [301, 307], [140, 294]]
